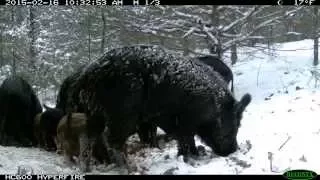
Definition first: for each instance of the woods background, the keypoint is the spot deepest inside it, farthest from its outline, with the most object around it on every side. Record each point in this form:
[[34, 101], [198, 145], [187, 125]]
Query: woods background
[[46, 44]]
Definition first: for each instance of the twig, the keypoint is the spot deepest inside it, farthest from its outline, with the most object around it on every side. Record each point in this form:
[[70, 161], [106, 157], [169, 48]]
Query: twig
[[289, 137]]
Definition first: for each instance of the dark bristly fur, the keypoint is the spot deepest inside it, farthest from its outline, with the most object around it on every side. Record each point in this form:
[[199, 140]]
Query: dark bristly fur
[[18, 108]]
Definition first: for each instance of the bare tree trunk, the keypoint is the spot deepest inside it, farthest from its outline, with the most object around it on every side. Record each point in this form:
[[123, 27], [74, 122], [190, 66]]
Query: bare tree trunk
[[14, 68], [162, 42], [215, 48], [1, 51], [315, 36], [103, 30], [89, 36], [234, 56], [270, 41], [149, 38], [14, 64], [316, 52], [33, 38], [89, 47], [185, 44]]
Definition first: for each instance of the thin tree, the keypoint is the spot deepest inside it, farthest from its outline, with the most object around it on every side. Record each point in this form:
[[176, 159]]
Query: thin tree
[[33, 38], [103, 18], [315, 36]]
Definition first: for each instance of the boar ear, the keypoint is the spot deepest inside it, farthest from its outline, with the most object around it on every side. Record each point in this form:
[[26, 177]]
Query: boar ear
[[243, 103]]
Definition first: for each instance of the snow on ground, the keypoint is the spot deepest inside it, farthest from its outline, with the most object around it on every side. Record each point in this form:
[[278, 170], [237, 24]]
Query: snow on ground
[[282, 124]]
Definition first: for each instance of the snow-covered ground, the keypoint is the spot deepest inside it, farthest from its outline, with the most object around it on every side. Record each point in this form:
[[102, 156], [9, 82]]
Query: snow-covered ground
[[280, 129]]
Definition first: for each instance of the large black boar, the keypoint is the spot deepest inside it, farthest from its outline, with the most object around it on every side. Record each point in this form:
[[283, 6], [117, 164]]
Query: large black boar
[[18, 108], [131, 85], [48, 126], [219, 66]]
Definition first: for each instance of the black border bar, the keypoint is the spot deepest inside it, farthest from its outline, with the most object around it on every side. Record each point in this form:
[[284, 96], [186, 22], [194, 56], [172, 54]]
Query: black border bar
[[157, 2]]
